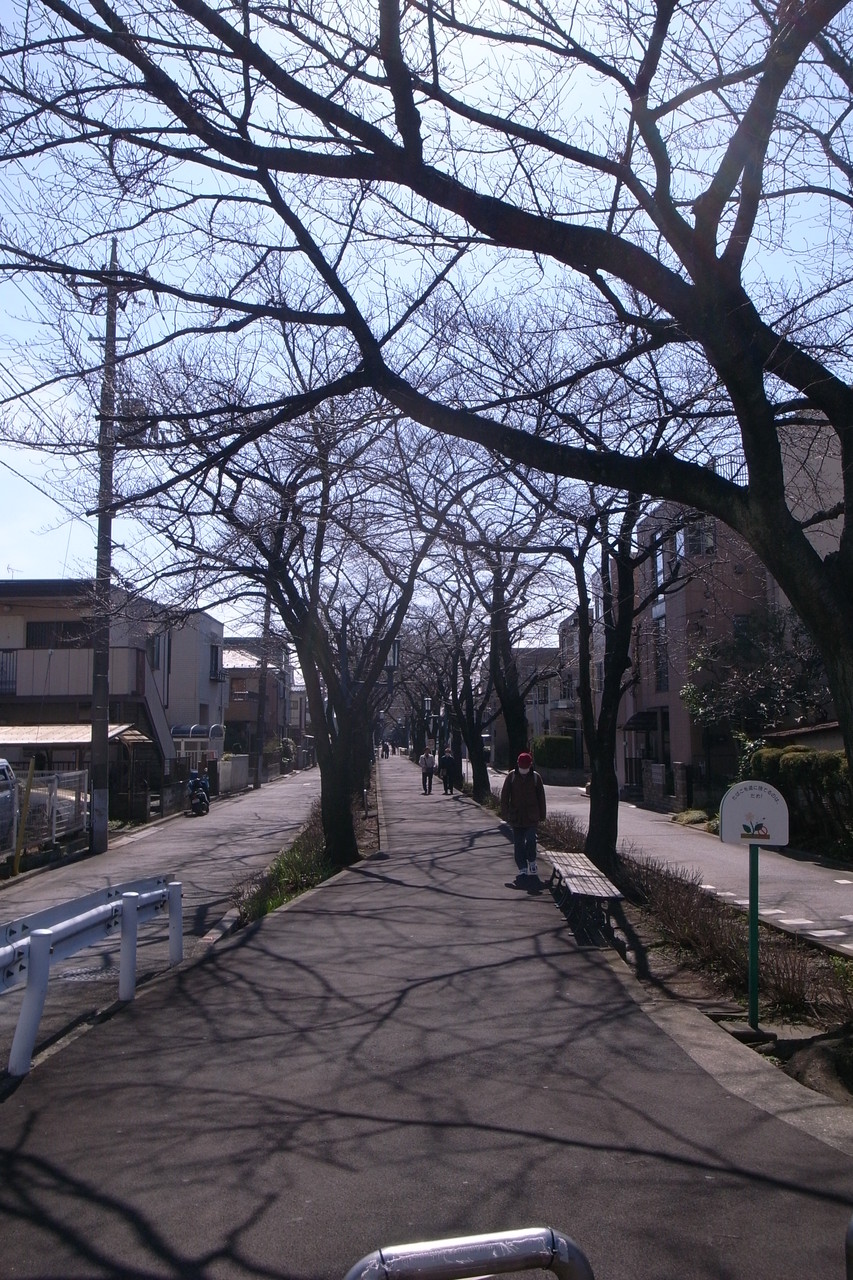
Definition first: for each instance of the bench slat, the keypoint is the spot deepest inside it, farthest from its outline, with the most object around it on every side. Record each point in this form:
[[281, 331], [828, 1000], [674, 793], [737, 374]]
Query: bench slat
[[581, 876]]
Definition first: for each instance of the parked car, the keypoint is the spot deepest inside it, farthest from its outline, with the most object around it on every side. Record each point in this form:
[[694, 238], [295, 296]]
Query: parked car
[[8, 802]]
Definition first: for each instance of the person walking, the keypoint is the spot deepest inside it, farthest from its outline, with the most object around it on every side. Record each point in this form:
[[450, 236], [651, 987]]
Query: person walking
[[447, 769], [523, 807], [427, 763]]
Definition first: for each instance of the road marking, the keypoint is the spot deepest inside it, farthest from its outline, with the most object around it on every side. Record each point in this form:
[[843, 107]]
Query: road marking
[[850, 918], [772, 911], [741, 902], [828, 933], [708, 886], [796, 921], [844, 882]]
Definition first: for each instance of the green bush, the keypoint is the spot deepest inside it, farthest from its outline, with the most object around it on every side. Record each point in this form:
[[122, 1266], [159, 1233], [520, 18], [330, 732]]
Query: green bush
[[554, 752], [816, 787], [301, 866]]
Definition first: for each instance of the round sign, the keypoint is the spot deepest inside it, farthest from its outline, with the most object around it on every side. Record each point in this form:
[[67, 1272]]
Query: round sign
[[753, 813]]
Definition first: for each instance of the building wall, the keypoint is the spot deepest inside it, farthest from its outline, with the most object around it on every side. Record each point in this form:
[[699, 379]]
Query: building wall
[[197, 696], [723, 582]]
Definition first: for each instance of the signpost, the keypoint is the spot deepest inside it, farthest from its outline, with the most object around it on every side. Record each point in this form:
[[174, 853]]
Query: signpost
[[753, 813]]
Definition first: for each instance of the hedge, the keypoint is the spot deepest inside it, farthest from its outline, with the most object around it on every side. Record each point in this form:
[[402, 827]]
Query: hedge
[[554, 752], [816, 787]]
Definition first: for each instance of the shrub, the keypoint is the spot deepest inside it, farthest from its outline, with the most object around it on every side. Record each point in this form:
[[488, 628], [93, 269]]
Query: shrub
[[554, 752], [691, 818], [563, 832], [298, 868], [816, 787]]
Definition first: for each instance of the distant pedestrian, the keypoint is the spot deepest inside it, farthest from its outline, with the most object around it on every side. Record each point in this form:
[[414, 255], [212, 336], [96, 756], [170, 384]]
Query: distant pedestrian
[[523, 807], [446, 769], [427, 763]]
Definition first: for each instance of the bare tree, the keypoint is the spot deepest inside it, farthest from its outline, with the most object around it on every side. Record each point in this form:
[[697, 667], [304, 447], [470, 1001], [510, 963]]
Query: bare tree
[[272, 169], [313, 517]]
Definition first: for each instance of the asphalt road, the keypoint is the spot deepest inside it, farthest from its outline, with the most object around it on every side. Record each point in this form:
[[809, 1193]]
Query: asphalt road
[[209, 855], [414, 1050]]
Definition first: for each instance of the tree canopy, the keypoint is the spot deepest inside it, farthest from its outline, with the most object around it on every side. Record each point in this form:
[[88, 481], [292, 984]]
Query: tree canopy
[[658, 196]]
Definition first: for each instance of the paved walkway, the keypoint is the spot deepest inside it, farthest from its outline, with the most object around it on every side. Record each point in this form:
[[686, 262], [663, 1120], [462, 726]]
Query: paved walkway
[[414, 1050]]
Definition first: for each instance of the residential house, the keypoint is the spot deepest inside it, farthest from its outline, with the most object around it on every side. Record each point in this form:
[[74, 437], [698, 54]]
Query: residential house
[[244, 672], [161, 677]]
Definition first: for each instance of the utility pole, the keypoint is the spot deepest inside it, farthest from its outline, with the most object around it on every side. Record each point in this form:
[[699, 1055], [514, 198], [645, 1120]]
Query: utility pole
[[103, 566], [261, 726]]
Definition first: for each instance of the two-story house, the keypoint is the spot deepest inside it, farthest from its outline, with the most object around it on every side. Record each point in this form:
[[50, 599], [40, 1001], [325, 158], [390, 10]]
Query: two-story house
[[162, 675], [245, 674]]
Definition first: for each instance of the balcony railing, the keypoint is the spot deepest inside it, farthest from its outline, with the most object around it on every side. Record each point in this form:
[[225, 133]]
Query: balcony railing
[[8, 670], [62, 673]]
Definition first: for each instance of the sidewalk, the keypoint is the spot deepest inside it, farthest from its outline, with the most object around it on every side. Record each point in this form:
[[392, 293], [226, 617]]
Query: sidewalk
[[413, 1050]]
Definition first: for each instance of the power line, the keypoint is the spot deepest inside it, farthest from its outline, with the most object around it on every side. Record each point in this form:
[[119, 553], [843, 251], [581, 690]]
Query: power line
[[44, 492]]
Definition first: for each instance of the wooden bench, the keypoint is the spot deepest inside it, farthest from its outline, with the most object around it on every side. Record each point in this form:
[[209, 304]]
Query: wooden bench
[[583, 890]]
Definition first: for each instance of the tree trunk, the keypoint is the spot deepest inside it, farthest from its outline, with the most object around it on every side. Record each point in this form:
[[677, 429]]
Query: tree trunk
[[603, 830], [333, 739], [479, 770], [336, 798], [505, 671]]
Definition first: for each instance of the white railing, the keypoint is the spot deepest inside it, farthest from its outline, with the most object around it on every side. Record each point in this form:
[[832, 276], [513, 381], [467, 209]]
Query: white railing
[[31, 944]]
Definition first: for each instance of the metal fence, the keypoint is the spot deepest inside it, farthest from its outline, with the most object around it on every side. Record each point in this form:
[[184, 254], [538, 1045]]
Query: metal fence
[[58, 808]]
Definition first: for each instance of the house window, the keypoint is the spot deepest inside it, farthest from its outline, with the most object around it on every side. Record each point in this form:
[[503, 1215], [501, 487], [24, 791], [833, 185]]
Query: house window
[[661, 656], [544, 694], [214, 662], [701, 537], [59, 634], [154, 647], [566, 690], [8, 670]]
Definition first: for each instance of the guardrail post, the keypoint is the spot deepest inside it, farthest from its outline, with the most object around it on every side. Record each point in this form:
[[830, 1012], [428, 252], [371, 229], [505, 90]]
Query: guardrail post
[[176, 923], [127, 962], [38, 972]]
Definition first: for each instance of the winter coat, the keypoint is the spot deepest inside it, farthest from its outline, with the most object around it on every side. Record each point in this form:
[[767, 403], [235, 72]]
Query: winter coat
[[522, 799]]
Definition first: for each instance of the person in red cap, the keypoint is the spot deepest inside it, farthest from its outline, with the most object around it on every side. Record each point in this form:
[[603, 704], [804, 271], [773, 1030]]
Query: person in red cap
[[523, 807]]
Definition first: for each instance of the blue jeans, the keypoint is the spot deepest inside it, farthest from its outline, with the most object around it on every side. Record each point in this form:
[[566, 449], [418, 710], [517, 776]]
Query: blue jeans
[[524, 840]]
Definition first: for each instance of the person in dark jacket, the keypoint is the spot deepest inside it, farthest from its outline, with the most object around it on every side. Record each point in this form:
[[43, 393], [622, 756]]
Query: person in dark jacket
[[523, 807], [446, 769]]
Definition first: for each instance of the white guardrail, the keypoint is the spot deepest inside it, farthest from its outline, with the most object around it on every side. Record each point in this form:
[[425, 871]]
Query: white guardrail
[[31, 944]]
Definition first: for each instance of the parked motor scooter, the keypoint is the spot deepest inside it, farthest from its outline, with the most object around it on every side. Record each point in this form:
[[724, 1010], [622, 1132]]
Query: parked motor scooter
[[198, 792]]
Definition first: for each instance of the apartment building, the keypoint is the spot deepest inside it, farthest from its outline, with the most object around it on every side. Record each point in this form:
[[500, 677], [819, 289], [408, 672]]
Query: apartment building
[[539, 677], [702, 583]]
